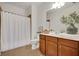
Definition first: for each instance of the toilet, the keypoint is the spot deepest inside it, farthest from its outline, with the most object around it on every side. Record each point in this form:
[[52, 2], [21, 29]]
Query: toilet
[[35, 43]]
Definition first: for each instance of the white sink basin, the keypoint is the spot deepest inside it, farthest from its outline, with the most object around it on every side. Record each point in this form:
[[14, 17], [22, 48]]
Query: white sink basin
[[55, 33]]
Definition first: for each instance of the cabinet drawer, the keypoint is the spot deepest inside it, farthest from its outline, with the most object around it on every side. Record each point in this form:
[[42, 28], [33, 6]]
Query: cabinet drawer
[[70, 43], [42, 36], [52, 39]]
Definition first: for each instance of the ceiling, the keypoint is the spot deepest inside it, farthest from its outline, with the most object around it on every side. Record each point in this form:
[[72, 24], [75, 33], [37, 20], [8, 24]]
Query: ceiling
[[23, 5]]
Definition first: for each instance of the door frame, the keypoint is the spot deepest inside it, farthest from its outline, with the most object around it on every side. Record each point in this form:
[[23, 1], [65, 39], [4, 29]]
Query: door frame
[[30, 27]]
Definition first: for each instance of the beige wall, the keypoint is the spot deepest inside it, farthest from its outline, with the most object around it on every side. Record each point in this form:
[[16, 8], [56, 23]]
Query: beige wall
[[42, 12]]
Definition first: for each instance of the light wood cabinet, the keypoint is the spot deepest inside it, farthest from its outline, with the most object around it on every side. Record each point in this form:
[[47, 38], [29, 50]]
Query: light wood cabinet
[[0, 53], [42, 44], [51, 49], [67, 51], [67, 47], [55, 46], [51, 46]]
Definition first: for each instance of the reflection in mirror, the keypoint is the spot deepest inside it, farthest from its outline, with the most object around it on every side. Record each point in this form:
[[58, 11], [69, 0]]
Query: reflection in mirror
[[57, 5], [58, 10]]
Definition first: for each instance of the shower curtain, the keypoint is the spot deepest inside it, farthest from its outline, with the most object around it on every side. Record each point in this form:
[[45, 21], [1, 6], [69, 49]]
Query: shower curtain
[[15, 31]]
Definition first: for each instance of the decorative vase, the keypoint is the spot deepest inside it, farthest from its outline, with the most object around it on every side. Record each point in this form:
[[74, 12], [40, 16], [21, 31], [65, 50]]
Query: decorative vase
[[71, 29]]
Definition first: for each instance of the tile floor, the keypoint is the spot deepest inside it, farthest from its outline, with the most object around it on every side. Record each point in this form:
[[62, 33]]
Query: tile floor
[[23, 51]]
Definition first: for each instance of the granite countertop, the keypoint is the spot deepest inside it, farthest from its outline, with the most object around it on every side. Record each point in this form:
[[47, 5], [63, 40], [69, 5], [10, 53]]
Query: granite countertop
[[74, 37]]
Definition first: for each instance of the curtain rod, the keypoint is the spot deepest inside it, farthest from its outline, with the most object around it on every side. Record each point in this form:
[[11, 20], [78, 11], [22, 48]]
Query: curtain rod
[[14, 13]]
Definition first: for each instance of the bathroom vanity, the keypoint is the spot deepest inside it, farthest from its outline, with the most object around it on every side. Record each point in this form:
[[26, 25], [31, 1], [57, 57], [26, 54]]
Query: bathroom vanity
[[59, 44]]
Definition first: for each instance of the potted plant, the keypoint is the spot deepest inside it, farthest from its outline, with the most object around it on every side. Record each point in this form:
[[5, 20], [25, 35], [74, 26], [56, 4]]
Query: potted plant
[[71, 20]]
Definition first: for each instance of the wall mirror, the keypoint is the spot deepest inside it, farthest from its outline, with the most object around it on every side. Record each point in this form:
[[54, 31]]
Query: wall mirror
[[55, 13]]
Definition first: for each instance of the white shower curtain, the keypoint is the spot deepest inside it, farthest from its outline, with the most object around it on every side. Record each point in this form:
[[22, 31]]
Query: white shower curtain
[[15, 31]]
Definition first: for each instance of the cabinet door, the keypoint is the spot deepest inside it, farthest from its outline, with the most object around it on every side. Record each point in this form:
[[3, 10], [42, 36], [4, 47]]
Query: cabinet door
[[66, 51], [42, 46], [51, 48]]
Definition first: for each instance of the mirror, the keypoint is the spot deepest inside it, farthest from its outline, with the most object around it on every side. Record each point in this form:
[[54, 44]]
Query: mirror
[[54, 15]]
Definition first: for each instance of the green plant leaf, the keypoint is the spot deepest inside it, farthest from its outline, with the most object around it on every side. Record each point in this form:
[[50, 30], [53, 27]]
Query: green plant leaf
[[64, 19], [72, 18]]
